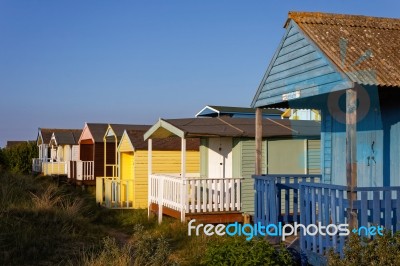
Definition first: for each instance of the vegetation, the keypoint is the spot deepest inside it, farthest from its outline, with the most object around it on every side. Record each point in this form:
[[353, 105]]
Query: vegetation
[[383, 250], [18, 158], [238, 251], [44, 223]]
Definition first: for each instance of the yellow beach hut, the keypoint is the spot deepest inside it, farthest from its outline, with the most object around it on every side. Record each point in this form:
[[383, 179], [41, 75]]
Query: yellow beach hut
[[130, 188]]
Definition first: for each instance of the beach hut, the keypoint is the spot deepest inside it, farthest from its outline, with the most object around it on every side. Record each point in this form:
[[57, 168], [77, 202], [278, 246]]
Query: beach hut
[[236, 112], [348, 67], [113, 135], [43, 142], [130, 188], [64, 148], [223, 189], [91, 155]]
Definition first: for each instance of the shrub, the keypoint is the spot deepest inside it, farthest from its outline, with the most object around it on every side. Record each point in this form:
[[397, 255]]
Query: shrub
[[383, 250], [110, 254], [18, 158], [2, 161], [41, 223], [238, 251], [149, 249]]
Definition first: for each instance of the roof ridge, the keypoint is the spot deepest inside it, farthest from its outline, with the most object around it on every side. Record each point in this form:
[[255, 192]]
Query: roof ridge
[[344, 19]]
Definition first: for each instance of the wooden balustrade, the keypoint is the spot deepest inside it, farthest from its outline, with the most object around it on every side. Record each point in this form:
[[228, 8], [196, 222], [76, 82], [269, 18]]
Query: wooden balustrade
[[200, 195]]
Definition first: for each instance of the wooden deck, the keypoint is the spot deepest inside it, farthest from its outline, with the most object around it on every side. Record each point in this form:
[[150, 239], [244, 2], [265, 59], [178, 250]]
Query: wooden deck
[[217, 199], [205, 217]]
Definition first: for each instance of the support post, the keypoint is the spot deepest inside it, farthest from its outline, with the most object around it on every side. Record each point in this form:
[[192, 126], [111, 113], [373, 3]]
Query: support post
[[351, 153], [115, 168], [183, 178], [258, 169], [149, 172], [105, 156]]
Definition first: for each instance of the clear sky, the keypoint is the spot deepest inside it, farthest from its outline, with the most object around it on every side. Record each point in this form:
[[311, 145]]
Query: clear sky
[[64, 63]]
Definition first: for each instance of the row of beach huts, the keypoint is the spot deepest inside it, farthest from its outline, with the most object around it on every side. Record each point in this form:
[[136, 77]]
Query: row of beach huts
[[227, 165], [193, 167]]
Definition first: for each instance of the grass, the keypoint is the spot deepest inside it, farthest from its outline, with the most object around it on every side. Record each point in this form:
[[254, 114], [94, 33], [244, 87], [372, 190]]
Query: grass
[[44, 223]]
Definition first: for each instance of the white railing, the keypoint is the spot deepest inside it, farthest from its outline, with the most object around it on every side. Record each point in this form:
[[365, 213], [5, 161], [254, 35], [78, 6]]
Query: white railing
[[213, 195], [54, 168], [166, 190], [36, 165], [114, 193], [200, 195], [85, 170]]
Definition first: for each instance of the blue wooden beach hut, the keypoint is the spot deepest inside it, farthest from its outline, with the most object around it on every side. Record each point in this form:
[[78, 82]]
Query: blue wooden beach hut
[[349, 68]]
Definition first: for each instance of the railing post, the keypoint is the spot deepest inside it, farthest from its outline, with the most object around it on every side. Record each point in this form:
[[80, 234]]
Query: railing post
[[183, 177], [149, 172], [160, 198], [99, 190]]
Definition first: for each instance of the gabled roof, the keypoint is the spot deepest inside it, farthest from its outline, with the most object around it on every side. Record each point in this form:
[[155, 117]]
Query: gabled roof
[[230, 127], [366, 43], [323, 53], [118, 129], [214, 111], [47, 133], [97, 130], [166, 144], [67, 137]]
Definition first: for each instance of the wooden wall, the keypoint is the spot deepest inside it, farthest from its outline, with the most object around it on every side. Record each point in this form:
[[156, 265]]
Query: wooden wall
[[99, 158], [163, 162], [370, 144], [298, 66]]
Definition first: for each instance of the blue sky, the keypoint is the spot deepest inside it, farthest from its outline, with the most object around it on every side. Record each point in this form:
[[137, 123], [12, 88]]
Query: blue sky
[[64, 63]]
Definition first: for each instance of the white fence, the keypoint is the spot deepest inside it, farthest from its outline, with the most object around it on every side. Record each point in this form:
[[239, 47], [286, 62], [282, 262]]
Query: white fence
[[85, 170], [195, 195]]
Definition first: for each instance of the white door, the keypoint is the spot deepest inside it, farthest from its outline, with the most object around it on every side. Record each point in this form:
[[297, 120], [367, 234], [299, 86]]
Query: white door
[[75, 153], [53, 154], [60, 154], [220, 158]]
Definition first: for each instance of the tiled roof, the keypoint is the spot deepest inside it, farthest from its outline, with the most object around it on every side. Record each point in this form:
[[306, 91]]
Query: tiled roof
[[68, 136], [120, 128], [48, 132], [165, 144], [367, 49], [98, 130]]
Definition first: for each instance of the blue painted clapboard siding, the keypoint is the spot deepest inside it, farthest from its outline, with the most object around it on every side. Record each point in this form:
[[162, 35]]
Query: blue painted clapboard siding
[[369, 144], [326, 147], [395, 155], [298, 65]]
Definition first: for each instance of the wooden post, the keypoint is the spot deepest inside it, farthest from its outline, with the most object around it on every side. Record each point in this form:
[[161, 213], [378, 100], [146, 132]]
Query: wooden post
[[258, 169], [105, 156], [183, 178], [149, 172], [115, 168], [351, 153]]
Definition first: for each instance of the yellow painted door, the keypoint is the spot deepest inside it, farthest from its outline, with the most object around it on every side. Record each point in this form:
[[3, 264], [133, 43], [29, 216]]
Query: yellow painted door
[[127, 176]]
